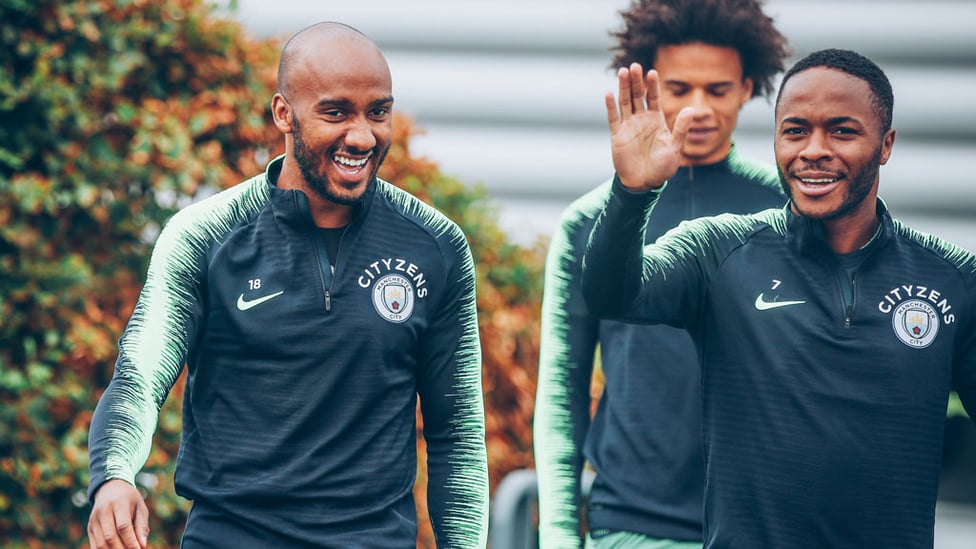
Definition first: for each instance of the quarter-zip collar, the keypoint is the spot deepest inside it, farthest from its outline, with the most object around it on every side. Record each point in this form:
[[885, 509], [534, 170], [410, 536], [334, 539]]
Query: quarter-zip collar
[[693, 181], [291, 205]]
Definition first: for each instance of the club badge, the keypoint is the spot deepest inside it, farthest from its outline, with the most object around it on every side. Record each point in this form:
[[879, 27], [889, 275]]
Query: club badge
[[915, 323], [393, 297]]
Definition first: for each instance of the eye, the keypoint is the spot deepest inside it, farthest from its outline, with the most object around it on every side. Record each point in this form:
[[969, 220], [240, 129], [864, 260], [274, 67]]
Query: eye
[[793, 131], [719, 92], [334, 115], [678, 91], [380, 113]]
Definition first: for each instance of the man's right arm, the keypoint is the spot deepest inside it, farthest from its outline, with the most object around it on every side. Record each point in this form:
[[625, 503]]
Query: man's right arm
[[569, 336], [645, 153], [152, 352]]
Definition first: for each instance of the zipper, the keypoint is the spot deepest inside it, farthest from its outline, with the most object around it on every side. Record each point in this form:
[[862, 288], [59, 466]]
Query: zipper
[[326, 274], [321, 256], [845, 307], [849, 312], [325, 270]]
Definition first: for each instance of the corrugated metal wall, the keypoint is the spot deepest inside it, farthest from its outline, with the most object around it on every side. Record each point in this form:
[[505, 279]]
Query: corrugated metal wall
[[511, 92]]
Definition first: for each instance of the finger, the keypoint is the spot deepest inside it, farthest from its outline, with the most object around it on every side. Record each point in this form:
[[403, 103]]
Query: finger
[[108, 535], [624, 93], [142, 524], [653, 91], [613, 117], [95, 540], [682, 123], [126, 530], [637, 87]]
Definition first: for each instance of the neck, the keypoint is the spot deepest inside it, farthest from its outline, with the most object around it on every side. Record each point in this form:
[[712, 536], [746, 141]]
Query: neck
[[850, 234], [325, 213]]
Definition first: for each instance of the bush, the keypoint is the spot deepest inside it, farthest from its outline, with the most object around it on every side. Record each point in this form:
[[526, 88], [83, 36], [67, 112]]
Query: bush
[[113, 114]]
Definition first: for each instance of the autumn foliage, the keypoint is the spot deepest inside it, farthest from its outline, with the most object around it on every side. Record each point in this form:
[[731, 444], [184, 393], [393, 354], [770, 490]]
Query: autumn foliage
[[114, 114]]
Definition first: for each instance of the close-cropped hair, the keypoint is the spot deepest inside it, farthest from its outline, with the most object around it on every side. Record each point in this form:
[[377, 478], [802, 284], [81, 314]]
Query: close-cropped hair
[[857, 66], [738, 24], [294, 45]]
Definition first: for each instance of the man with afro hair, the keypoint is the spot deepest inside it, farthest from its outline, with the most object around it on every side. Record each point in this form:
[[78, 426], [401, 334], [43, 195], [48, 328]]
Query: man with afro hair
[[644, 441]]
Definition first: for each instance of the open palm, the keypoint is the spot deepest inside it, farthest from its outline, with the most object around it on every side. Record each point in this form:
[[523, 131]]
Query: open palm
[[645, 151]]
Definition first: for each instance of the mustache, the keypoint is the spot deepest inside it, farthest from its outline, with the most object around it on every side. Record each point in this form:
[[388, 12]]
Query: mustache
[[816, 166]]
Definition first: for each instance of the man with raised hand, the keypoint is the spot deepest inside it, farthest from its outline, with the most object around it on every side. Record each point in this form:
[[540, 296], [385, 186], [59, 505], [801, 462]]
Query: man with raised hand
[[644, 441], [830, 334]]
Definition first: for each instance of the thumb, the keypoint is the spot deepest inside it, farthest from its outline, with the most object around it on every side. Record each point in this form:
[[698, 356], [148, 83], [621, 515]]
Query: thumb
[[682, 124], [142, 524]]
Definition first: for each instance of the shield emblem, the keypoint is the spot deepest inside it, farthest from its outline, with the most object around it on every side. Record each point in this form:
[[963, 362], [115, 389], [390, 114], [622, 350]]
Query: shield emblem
[[394, 296], [916, 323]]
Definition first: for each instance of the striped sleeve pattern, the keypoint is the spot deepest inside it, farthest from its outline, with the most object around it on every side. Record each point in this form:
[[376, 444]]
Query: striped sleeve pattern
[[159, 335]]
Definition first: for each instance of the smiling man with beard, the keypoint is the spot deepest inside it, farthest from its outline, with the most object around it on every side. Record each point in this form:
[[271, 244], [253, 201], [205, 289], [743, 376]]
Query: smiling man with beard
[[829, 334], [312, 306]]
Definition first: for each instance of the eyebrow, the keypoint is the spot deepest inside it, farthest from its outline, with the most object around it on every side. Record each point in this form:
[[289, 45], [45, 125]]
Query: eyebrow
[[324, 103], [676, 82], [830, 121]]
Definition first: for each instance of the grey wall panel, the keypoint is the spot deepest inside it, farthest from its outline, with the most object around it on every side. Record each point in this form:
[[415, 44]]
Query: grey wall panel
[[510, 91]]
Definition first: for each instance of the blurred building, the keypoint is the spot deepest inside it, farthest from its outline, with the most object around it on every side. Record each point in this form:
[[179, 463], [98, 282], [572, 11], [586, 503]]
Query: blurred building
[[510, 92]]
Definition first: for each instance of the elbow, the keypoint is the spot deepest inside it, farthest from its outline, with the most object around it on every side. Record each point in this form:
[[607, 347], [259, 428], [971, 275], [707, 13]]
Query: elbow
[[601, 303]]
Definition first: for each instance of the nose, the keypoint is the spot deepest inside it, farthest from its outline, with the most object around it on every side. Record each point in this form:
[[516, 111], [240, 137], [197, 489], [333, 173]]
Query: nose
[[360, 135], [698, 100], [815, 147]]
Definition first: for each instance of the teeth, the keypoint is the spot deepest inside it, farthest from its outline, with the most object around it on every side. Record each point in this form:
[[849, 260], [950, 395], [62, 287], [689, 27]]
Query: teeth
[[349, 161], [820, 181]]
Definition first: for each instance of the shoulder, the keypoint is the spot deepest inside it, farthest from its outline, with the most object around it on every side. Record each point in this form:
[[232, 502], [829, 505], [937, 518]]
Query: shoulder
[[218, 214], [581, 213], [956, 257], [422, 216], [735, 227], [759, 175]]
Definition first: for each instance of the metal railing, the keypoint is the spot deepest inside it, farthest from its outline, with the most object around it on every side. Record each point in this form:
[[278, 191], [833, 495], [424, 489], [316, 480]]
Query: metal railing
[[513, 519]]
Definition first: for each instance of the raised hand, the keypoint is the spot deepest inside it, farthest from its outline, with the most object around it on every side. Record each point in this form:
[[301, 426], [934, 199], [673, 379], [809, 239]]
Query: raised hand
[[645, 151]]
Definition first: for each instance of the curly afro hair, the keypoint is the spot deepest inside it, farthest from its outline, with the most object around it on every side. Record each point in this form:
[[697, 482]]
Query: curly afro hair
[[738, 24]]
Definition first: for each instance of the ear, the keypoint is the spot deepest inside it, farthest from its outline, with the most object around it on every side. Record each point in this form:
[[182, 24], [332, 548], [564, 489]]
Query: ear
[[746, 92], [282, 113], [887, 142]]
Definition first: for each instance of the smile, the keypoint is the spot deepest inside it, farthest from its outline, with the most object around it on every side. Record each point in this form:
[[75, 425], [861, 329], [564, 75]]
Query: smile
[[818, 180], [351, 162]]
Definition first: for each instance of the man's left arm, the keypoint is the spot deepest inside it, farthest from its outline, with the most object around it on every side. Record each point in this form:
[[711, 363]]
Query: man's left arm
[[449, 385]]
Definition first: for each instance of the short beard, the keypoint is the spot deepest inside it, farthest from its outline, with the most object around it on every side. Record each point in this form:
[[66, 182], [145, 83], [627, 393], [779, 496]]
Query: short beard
[[311, 165], [858, 190]]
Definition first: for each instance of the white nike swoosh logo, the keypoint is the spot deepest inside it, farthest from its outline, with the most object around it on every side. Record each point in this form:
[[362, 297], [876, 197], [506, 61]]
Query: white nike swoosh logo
[[764, 305], [244, 305]]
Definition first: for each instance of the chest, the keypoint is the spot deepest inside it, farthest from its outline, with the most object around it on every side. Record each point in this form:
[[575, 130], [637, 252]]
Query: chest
[[274, 290], [885, 333]]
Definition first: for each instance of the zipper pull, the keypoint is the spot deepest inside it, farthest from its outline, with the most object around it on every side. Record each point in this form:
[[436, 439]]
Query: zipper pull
[[328, 300]]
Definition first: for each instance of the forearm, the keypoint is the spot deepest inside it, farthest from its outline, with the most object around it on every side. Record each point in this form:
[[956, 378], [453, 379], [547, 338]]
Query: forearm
[[568, 343], [613, 262], [457, 462], [121, 431], [559, 430]]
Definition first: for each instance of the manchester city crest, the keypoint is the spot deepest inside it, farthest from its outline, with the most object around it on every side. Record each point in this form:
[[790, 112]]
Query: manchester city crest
[[393, 297], [916, 323]]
